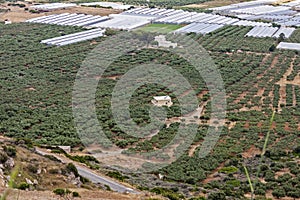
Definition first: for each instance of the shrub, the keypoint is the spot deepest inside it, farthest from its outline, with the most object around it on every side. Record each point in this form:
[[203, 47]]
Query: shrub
[[197, 198], [229, 170], [23, 186], [53, 171], [84, 180], [217, 196], [107, 188], [294, 194], [59, 191], [34, 11], [3, 157], [75, 194], [53, 158], [278, 193], [116, 175], [297, 150], [272, 48], [32, 168], [10, 151], [234, 183], [71, 168]]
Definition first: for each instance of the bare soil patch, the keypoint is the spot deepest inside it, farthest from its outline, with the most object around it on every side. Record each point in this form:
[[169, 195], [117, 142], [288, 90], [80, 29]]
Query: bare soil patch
[[214, 3], [240, 97], [212, 176], [85, 194], [283, 82], [231, 125], [282, 172], [17, 14], [250, 153], [193, 148]]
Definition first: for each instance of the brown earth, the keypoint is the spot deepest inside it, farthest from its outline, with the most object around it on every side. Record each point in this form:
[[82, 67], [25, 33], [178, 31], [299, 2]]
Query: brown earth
[[48, 181], [231, 125], [213, 3], [212, 177], [84, 193], [283, 82], [282, 172], [250, 153], [240, 97], [17, 14], [193, 148]]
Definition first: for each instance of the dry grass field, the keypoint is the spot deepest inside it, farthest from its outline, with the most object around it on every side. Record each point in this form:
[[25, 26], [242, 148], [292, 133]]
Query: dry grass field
[[17, 14]]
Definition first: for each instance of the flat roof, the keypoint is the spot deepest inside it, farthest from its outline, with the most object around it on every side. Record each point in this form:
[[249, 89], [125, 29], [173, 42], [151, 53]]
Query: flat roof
[[162, 98]]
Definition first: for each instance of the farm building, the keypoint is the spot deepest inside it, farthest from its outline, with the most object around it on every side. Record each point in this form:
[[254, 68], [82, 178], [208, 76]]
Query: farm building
[[7, 21], [67, 149], [162, 101]]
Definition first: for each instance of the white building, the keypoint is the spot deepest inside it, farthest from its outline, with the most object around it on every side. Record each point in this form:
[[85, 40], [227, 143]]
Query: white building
[[162, 101], [7, 21]]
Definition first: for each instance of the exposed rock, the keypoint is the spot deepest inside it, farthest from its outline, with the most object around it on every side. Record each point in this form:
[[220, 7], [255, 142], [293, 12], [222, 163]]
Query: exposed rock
[[3, 182], [10, 163], [39, 171], [77, 182], [28, 181], [160, 176], [35, 182], [71, 176]]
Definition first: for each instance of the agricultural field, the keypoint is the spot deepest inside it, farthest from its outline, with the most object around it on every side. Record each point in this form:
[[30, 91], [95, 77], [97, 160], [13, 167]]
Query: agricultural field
[[36, 85], [160, 28]]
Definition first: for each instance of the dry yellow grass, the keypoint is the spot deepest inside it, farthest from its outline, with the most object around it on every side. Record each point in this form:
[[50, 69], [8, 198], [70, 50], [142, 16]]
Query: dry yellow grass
[[17, 14], [85, 195], [214, 3]]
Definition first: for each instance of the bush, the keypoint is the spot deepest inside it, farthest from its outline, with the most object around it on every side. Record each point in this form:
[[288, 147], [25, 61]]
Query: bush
[[23, 186], [234, 183], [58, 151], [10, 151], [116, 175], [197, 198], [75, 194], [110, 32], [297, 150], [71, 168], [53, 171], [228, 170], [272, 48], [84, 180], [217, 196], [107, 188], [32, 168], [3, 157], [53, 158], [294, 194], [278, 193], [34, 11], [59, 192]]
